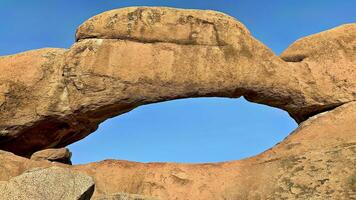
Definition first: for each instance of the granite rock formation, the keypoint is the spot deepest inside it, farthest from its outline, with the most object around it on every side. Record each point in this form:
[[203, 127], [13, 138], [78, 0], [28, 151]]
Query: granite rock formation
[[315, 162], [125, 58], [53, 183]]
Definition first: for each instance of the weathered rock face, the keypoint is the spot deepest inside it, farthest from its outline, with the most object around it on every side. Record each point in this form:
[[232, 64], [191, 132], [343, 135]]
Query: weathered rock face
[[315, 162], [128, 57], [330, 57], [31, 99], [211, 55], [62, 155], [50, 183]]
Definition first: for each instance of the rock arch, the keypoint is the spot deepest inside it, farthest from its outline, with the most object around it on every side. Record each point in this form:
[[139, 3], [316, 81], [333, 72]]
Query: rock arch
[[134, 56], [191, 130]]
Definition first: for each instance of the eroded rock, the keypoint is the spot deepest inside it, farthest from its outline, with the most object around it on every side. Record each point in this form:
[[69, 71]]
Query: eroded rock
[[315, 162], [33, 96], [125, 58], [330, 58], [62, 155], [53, 183]]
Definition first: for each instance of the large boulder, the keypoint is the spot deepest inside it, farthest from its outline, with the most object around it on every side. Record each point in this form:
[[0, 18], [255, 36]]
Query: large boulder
[[53, 183], [129, 57], [62, 155]]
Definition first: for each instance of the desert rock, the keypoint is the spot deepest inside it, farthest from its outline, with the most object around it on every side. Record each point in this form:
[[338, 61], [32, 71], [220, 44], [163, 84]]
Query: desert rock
[[62, 155], [125, 58], [129, 57], [330, 58], [315, 162], [50, 183]]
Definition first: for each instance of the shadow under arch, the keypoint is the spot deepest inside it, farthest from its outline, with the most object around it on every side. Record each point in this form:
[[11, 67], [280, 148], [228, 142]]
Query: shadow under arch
[[192, 130]]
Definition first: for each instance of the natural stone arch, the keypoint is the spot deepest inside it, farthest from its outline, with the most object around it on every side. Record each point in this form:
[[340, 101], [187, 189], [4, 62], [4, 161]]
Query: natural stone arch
[[134, 56], [55, 88], [212, 129], [315, 162]]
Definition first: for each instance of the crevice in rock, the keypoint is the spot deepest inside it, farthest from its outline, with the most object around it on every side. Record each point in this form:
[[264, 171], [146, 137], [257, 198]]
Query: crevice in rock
[[153, 41], [327, 108], [294, 58]]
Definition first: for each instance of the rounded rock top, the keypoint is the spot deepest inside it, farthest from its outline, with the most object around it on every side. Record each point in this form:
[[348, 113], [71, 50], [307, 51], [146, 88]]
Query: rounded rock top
[[160, 24]]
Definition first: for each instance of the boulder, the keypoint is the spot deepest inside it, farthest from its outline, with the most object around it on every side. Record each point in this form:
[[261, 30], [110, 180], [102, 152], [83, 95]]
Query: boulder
[[12, 165], [128, 57], [62, 155], [49, 183]]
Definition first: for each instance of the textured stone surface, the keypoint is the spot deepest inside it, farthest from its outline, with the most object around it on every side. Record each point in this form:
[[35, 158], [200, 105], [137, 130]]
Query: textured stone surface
[[32, 96], [62, 155], [50, 183], [315, 162], [124, 196], [330, 58], [125, 58]]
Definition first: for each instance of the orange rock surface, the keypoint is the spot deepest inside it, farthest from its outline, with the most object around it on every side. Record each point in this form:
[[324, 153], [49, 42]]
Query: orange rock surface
[[125, 58]]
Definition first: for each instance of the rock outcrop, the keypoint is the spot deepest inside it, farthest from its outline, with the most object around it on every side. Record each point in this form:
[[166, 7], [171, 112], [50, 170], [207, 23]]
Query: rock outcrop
[[50, 183], [315, 162], [125, 58], [330, 58], [62, 155]]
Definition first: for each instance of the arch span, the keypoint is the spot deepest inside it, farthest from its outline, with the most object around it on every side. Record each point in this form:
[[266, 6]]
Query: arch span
[[198, 130], [130, 57]]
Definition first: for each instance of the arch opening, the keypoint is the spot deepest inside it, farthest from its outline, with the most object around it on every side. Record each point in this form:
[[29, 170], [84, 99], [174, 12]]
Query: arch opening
[[193, 130]]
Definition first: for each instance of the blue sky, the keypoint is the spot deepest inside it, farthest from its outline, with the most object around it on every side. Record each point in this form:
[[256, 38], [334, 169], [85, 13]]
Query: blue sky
[[189, 130]]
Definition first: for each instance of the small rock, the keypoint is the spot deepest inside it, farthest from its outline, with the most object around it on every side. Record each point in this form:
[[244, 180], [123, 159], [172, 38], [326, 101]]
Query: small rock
[[62, 155]]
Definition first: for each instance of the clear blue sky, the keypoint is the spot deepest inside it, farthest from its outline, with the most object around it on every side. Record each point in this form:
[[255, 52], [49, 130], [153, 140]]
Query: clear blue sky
[[190, 130]]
